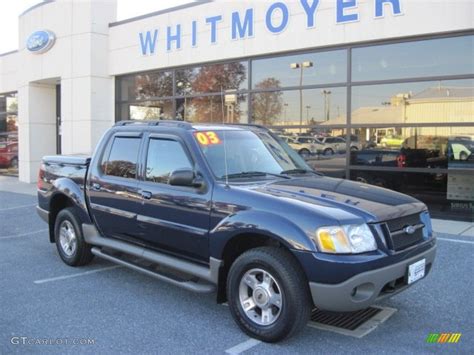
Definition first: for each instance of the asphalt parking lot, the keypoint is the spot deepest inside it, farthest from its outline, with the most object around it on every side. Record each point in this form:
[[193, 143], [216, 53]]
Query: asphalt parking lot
[[111, 309]]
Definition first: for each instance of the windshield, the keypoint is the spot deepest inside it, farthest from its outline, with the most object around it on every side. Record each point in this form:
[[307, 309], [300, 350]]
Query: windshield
[[247, 152]]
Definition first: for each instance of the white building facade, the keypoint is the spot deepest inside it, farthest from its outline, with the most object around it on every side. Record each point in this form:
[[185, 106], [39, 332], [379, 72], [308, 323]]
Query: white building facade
[[349, 69]]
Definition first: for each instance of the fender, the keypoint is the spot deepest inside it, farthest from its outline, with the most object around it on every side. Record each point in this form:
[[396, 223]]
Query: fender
[[70, 189], [258, 222]]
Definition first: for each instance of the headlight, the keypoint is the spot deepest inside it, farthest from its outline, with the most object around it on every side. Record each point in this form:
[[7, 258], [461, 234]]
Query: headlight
[[348, 239]]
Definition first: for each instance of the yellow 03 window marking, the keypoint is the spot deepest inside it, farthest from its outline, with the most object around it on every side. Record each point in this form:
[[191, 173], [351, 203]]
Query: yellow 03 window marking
[[207, 138]]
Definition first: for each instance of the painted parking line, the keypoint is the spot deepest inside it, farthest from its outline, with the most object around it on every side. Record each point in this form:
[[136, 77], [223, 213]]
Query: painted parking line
[[65, 277], [12, 236], [456, 240], [16, 207], [244, 346]]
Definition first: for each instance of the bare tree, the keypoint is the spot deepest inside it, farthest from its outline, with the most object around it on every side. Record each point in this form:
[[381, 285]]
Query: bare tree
[[267, 106]]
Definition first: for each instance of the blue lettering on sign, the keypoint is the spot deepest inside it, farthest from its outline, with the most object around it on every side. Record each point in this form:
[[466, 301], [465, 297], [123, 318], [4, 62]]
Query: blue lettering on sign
[[341, 15], [173, 38], [239, 30], [241, 24], [310, 11], [213, 22], [284, 20], [148, 44], [379, 6], [194, 34]]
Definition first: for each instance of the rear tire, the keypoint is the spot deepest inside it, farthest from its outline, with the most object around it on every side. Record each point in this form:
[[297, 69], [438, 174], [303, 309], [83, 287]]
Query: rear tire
[[270, 284], [14, 163], [69, 239], [328, 151]]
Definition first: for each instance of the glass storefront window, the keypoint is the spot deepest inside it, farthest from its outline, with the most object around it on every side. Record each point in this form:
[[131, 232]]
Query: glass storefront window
[[445, 56], [304, 69], [212, 78], [420, 102], [323, 148], [145, 86], [415, 147], [300, 107], [8, 134], [147, 110], [231, 108]]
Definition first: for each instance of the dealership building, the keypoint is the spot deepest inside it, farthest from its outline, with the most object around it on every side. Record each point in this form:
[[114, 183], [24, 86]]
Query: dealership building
[[386, 86]]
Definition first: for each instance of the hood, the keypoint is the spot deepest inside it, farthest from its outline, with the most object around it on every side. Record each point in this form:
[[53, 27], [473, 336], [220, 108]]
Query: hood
[[373, 204]]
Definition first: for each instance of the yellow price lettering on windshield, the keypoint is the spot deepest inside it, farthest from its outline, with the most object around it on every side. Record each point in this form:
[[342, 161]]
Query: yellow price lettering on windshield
[[207, 138]]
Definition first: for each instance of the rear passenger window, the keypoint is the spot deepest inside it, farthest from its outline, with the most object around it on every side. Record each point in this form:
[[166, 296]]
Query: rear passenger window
[[122, 160], [165, 156]]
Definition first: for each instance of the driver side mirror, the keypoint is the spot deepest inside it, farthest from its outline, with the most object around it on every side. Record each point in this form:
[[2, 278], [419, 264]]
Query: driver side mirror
[[185, 177]]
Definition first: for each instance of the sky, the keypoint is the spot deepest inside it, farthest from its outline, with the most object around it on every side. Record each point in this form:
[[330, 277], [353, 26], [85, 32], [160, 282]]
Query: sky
[[11, 9]]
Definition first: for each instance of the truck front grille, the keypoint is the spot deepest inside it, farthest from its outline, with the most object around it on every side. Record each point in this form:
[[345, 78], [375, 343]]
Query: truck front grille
[[398, 233]]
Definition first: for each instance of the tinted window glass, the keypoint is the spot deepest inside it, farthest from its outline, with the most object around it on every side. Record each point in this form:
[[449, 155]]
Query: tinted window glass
[[419, 102], [307, 68], [122, 161], [145, 86], [164, 157], [447, 56], [415, 147], [315, 106], [212, 78]]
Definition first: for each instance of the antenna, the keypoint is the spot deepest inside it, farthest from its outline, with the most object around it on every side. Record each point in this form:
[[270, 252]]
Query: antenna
[[226, 171]]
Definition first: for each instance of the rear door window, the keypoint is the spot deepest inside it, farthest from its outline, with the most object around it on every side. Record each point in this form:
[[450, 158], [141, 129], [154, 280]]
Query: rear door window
[[123, 157]]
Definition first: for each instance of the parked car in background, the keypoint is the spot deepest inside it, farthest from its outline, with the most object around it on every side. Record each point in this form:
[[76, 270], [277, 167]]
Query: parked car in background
[[460, 149], [391, 141], [332, 145], [9, 150], [304, 146]]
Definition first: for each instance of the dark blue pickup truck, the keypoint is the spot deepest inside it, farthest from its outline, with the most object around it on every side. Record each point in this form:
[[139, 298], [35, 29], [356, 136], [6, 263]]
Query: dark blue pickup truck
[[232, 209]]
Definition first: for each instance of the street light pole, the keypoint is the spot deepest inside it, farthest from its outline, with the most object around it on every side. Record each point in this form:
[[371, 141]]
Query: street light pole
[[327, 101], [301, 66]]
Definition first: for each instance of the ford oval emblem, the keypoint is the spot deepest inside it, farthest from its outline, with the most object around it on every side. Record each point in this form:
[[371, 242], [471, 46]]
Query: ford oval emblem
[[40, 41], [409, 229]]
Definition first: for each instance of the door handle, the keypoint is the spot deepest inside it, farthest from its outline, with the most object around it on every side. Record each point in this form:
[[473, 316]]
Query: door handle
[[95, 186], [146, 194]]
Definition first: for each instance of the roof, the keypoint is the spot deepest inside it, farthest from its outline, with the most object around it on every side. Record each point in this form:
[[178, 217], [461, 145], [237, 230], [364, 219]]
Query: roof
[[444, 92], [188, 125]]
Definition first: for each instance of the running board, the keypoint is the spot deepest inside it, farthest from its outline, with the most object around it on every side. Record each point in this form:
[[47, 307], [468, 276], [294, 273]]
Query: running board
[[186, 284], [211, 274]]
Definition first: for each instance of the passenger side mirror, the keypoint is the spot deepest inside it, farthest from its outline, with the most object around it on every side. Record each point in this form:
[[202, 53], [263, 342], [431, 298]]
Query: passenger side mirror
[[185, 177]]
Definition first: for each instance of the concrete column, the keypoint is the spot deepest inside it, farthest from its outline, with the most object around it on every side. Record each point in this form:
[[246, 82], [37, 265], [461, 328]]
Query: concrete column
[[37, 127]]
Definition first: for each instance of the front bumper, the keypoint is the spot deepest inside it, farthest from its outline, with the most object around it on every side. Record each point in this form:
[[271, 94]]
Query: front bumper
[[364, 289]]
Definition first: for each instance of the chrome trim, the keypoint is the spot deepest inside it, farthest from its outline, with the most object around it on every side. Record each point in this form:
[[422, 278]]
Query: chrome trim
[[173, 225], [403, 230], [114, 211]]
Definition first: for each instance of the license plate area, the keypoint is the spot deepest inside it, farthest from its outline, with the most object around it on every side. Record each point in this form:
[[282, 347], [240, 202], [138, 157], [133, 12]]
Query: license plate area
[[416, 271]]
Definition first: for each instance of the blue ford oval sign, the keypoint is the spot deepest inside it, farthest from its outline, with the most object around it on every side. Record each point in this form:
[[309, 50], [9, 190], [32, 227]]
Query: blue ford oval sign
[[40, 41]]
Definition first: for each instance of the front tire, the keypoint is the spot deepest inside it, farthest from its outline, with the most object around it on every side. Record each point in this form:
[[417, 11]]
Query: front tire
[[69, 239], [304, 153], [268, 294]]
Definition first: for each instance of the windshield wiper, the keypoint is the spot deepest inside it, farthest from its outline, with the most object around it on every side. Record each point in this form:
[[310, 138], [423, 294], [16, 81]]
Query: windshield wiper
[[244, 174], [299, 171]]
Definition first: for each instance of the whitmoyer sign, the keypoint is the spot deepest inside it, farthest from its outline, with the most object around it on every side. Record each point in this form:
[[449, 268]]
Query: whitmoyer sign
[[277, 19]]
